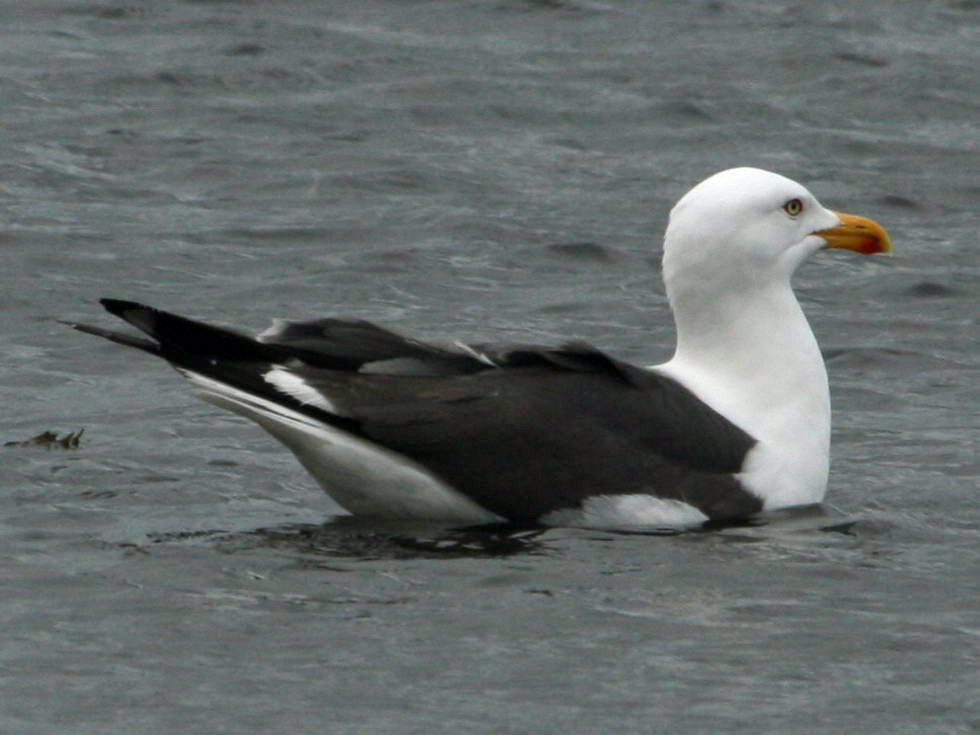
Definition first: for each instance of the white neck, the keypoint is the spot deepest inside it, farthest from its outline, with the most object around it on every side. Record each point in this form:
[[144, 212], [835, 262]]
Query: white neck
[[752, 357]]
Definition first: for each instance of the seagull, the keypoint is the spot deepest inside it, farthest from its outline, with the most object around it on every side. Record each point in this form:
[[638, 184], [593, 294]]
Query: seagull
[[736, 423]]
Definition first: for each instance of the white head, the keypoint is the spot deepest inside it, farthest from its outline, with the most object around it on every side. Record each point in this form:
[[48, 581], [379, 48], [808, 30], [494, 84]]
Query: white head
[[746, 225], [742, 226]]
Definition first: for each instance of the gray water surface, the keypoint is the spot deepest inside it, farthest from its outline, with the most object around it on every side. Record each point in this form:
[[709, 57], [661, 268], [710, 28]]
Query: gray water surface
[[479, 170]]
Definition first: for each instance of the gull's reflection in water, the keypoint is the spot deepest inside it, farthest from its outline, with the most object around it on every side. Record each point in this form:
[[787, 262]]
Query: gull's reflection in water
[[367, 538], [351, 537]]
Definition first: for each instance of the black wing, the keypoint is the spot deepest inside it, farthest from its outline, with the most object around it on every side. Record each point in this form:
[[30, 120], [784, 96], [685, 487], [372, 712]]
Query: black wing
[[521, 430]]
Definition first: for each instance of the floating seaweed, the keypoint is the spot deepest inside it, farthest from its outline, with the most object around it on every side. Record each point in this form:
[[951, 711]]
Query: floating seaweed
[[50, 440]]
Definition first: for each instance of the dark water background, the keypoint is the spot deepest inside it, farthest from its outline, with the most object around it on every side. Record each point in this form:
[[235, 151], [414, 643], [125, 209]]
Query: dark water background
[[486, 170]]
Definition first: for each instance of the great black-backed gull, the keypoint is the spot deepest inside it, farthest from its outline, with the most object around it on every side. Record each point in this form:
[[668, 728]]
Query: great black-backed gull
[[737, 422]]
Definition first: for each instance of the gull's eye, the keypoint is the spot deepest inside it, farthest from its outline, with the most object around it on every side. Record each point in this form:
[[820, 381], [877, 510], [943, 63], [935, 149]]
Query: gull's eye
[[793, 207]]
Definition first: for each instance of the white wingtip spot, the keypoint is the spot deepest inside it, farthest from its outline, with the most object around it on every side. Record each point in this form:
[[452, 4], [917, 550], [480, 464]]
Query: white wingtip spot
[[278, 327], [475, 354], [296, 387]]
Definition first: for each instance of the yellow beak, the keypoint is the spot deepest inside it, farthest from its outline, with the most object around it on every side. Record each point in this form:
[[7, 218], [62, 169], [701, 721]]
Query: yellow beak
[[861, 234]]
